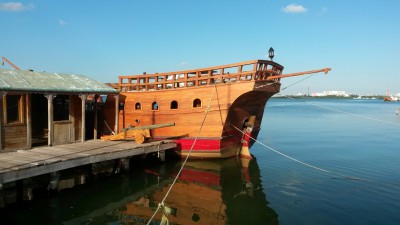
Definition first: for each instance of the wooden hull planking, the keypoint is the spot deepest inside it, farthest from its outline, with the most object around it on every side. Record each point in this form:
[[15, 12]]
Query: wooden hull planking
[[231, 105]]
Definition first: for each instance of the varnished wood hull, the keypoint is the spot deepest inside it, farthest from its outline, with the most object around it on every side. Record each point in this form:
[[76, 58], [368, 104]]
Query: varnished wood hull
[[212, 126]]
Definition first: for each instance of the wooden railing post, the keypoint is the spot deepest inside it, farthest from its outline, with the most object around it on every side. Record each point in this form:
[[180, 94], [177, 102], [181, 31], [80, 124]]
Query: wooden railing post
[[83, 109], [116, 127], [28, 121], [2, 94], [50, 131]]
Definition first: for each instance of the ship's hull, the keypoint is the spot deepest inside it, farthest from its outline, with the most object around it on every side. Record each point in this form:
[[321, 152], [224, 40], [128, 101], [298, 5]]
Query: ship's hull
[[212, 130]]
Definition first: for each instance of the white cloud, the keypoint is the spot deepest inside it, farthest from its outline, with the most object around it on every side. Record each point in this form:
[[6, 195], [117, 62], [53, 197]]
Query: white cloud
[[184, 63], [62, 22], [15, 6], [293, 8]]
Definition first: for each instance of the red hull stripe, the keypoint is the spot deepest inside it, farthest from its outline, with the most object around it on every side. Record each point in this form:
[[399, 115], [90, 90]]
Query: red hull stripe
[[200, 145]]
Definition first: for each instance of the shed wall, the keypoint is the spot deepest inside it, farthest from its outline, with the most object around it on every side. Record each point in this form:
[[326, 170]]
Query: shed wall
[[14, 136]]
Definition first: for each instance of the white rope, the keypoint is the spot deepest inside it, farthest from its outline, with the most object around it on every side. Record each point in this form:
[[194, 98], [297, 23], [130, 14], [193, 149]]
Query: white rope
[[161, 204], [296, 160], [297, 82], [344, 112]]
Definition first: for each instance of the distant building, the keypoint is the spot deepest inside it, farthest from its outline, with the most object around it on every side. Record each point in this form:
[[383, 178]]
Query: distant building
[[334, 93], [330, 93], [317, 94]]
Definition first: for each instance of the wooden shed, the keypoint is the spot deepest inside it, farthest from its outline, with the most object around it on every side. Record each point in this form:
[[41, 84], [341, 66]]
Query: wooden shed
[[39, 108]]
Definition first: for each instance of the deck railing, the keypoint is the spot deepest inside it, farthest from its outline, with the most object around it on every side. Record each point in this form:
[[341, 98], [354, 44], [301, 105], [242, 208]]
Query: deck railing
[[245, 71]]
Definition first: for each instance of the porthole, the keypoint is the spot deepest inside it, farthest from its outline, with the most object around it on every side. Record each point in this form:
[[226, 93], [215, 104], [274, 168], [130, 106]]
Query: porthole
[[174, 105], [196, 103], [138, 106], [154, 106]]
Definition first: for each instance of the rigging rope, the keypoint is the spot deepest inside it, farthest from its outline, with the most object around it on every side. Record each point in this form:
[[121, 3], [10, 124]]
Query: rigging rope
[[335, 110], [326, 108], [297, 82], [344, 112], [296, 160], [161, 204]]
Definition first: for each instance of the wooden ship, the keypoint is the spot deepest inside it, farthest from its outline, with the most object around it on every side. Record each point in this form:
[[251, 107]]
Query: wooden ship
[[210, 107]]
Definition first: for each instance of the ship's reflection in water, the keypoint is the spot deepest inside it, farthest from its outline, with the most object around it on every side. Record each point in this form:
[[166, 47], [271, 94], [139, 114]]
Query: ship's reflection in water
[[207, 192]]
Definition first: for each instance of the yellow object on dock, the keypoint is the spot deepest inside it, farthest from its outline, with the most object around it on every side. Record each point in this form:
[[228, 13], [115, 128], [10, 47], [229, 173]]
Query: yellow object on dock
[[140, 134]]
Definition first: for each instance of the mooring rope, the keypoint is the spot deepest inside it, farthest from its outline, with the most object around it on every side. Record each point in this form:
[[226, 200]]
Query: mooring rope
[[296, 160], [344, 112], [297, 82], [161, 204]]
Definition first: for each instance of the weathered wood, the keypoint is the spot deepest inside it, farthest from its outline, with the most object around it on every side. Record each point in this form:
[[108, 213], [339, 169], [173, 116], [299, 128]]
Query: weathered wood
[[95, 117], [116, 128], [1, 120], [325, 70], [28, 121], [62, 132], [14, 136], [37, 161], [72, 117], [50, 98], [83, 105]]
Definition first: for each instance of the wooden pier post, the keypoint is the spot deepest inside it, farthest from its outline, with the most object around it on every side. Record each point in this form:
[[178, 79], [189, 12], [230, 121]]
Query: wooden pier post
[[116, 128], [1, 119], [50, 98], [28, 121], [95, 118], [83, 135], [161, 155]]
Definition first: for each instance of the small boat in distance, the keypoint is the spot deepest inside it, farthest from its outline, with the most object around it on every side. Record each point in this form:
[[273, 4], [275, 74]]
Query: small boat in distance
[[212, 107], [389, 97]]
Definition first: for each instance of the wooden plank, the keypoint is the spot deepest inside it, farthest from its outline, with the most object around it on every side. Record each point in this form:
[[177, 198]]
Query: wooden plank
[[61, 154], [6, 166], [24, 164]]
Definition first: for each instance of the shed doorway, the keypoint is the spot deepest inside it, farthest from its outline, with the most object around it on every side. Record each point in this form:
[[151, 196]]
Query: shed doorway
[[39, 120]]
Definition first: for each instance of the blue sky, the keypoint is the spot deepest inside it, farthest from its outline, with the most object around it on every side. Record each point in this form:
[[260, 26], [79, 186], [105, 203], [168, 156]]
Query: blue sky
[[359, 40]]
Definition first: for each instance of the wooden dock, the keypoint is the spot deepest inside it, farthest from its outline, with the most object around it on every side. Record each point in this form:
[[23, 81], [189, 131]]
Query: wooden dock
[[28, 163]]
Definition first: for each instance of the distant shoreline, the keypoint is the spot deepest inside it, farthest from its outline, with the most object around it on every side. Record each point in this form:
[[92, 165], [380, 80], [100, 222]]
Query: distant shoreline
[[372, 97]]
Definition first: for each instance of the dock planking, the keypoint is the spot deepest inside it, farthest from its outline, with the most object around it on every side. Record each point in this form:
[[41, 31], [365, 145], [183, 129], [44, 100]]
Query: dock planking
[[37, 161]]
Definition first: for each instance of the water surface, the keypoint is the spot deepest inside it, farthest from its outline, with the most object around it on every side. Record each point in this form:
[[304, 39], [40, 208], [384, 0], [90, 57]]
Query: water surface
[[354, 146]]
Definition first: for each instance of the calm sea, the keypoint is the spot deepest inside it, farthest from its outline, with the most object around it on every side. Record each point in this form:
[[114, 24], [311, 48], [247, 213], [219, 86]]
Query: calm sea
[[344, 169]]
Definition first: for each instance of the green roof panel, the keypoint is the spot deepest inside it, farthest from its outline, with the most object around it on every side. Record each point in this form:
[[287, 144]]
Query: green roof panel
[[30, 81]]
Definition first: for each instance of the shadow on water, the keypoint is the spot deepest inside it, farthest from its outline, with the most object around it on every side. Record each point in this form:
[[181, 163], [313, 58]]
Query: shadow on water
[[207, 192]]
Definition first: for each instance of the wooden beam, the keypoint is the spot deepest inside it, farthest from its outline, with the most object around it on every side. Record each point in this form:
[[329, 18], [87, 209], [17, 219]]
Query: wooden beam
[[83, 134], [95, 117], [28, 121], [1, 119], [10, 63], [50, 110], [116, 128], [325, 70]]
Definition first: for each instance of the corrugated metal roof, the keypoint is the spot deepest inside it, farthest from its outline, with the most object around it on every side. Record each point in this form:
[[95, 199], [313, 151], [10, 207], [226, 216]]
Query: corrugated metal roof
[[30, 81]]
